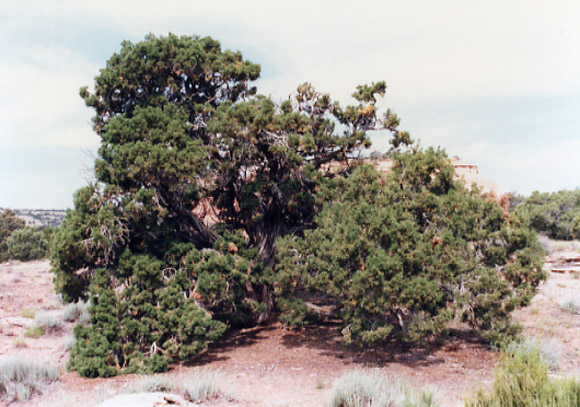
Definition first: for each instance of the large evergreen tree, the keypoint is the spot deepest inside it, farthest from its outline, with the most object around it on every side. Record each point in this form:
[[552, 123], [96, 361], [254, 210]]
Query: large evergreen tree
[[196, 177]]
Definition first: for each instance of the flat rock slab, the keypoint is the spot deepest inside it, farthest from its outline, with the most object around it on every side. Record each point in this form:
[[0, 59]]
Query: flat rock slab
[[146, 400]]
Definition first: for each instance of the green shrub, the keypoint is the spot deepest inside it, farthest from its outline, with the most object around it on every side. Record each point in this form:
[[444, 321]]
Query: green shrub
[[35, 331], [549, 350], [27, 244], [523, 381], [27, 313], [20, 379], [9, 222], [362, 389], [556, 214], [400, 256]]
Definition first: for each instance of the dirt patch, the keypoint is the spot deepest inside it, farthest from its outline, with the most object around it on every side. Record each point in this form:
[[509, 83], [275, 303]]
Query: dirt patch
[[273, 366]]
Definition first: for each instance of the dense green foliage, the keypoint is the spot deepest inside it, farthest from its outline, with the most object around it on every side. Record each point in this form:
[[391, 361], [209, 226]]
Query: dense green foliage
[[21, 242], [190, 161], [28, 243], [556, 214], [401, 256], [197, 176], [9, 222], [523, 381]]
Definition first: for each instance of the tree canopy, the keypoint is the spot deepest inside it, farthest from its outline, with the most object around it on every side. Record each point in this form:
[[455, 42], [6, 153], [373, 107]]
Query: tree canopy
[[198, 177], [556, 214], [399, 256], [9, 222]]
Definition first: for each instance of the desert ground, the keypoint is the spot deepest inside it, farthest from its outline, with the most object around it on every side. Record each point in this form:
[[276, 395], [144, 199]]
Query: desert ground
[[274, 366]]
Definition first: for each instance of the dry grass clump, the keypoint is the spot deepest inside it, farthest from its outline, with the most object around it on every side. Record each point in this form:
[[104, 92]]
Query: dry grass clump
[[365, 389], [28, 313], [200, 385], [153, 384], [35, 331], [77, 311], [550, 350], [196, 386], [47, 321], [571, 304], [20, 379]]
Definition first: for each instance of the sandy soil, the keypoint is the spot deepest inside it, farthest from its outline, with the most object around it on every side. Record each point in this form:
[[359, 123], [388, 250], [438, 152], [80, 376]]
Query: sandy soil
[[272, 366]]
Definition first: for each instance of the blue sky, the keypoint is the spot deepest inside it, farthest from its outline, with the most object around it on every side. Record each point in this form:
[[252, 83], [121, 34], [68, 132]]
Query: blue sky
[[496, 83]]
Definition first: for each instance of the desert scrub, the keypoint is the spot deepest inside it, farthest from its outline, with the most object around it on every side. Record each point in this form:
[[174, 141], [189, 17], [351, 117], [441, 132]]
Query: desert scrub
[[364, 389], [70, 342], [20, 379], [200, 385], [571, 304], [549, 350], [196, 386], [523, 381], [28, 313], [47, 321], [35, 331], [153, 384], [77, 311]]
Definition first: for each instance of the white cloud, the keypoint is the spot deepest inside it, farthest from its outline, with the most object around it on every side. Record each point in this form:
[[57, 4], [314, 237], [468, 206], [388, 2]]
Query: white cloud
[[40, 101]]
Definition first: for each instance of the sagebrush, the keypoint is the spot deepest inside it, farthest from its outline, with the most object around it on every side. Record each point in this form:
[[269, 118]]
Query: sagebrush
[[20, 379], [523, 381]]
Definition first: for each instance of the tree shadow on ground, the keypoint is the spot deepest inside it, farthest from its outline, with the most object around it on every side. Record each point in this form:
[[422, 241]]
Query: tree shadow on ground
[[326, 338], [219, 350]]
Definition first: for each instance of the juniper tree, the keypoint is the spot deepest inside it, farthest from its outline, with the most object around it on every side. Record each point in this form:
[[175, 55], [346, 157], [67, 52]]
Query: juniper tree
[[399, 256], [196, 176]]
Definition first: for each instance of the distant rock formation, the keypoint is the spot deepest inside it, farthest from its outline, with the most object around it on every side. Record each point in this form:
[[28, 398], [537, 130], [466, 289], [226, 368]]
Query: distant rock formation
[[40, 217], [469, 174]]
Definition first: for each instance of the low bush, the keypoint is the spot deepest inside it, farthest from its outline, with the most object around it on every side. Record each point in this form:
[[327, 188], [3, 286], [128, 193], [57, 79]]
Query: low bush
[[47, 321], [549, 350], [200, 385], [196, 386], [27, 313], [9, 222], [20, 379], [523, 381], [35, 331], [70, 342], [77, 311], [571, 304], [363, 389], [27, 244], [153, 384]]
